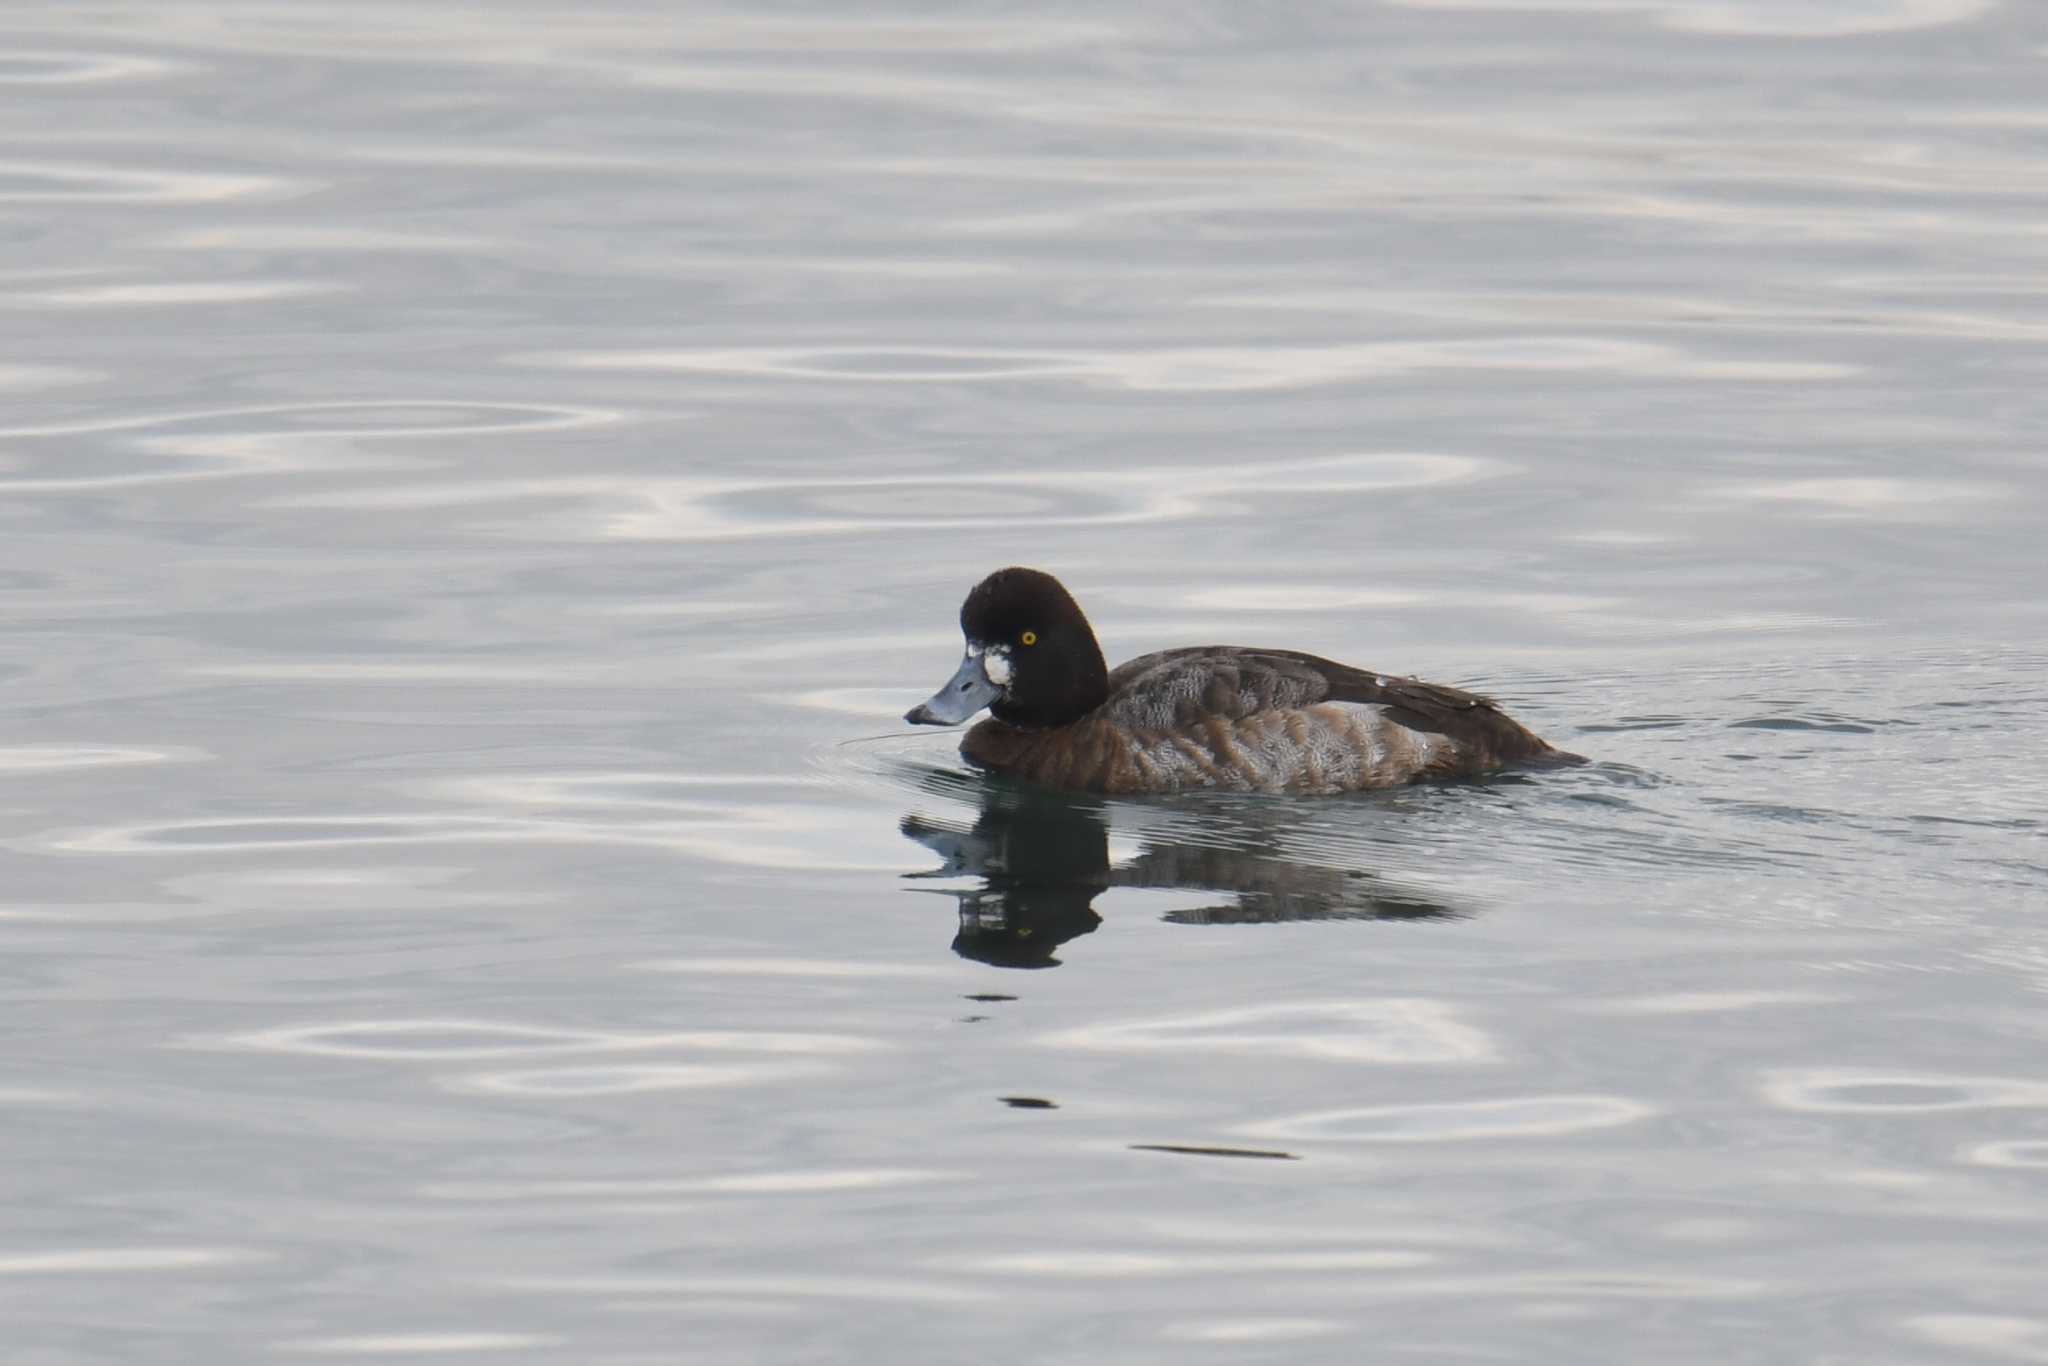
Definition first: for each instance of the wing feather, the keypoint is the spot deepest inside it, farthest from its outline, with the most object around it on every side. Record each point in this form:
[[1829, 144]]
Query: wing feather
[[1178, 688]]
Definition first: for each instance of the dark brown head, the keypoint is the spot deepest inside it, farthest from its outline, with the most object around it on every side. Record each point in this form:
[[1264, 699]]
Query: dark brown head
[[1031, 659]]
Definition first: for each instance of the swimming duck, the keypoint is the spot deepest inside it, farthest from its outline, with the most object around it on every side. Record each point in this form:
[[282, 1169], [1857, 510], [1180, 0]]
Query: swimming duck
[[1211, 716]]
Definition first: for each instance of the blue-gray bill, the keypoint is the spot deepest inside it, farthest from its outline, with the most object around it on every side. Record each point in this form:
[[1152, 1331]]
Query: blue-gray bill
[[966, 692]]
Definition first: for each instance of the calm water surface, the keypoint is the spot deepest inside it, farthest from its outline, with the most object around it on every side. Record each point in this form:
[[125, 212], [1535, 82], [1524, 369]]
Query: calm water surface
[[479, 486]]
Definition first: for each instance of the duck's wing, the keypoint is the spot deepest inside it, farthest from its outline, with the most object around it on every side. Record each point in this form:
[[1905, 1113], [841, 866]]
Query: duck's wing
[[1410, 701], [1179, 688]]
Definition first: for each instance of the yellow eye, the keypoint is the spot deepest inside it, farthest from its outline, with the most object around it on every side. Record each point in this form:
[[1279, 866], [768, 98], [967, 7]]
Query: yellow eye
[[1029, 637]]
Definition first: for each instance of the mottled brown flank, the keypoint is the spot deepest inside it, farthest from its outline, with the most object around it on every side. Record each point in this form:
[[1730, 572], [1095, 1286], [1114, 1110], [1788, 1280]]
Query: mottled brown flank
[[1255, 720]]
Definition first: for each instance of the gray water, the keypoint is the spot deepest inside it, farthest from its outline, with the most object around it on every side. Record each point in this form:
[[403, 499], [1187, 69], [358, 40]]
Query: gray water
[[480, 484]]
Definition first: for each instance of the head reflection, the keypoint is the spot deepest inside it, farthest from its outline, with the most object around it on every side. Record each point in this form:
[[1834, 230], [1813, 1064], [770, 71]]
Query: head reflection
[[1043, 857]]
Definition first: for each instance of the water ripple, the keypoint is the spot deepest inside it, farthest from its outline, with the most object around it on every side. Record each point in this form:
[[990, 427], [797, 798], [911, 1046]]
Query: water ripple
[[453, 1040], [1251, 1329], [420, 1344], [290, 833], [296, 237], [1862, 1091], [1706, 1002], [834, 969], [22, 378], [1310, 597], [682, 813], [1087, 1264], [2005, 1336], [1756, 18], [1462, 1121], [2021, 1152], [1903, 499], [35, 182], [1208, 368], [52, 66], [744, 1183], [353, 419], [737, 508], [614, 48], [19, 759], [623, 1079], [175, 293], [275, 438], [1384, 1031], [1693, 313], [870, 1289], [98, 1261]]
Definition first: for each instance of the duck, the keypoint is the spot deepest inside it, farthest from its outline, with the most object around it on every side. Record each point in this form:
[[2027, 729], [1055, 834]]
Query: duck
[[1222, 717]]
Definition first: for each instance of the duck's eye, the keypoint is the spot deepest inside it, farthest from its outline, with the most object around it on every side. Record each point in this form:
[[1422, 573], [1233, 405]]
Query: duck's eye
[[1029, 637]]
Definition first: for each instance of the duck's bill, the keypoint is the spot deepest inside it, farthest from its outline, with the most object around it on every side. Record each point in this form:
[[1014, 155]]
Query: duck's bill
[[965, 693], [963, 850]]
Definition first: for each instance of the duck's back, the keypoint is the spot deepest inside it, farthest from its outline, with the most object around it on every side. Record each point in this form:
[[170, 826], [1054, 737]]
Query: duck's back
[[1260, 720]]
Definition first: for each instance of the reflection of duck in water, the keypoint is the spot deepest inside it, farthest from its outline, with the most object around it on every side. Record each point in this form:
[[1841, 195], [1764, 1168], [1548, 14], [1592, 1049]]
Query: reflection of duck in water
[[1043, 858]]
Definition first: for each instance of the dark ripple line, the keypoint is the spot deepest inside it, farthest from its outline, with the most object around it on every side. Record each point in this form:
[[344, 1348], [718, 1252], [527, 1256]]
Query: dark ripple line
[[1195, 1150]]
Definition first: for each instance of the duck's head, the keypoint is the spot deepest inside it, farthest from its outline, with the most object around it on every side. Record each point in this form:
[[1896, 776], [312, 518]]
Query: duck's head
[[1031, 658]]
